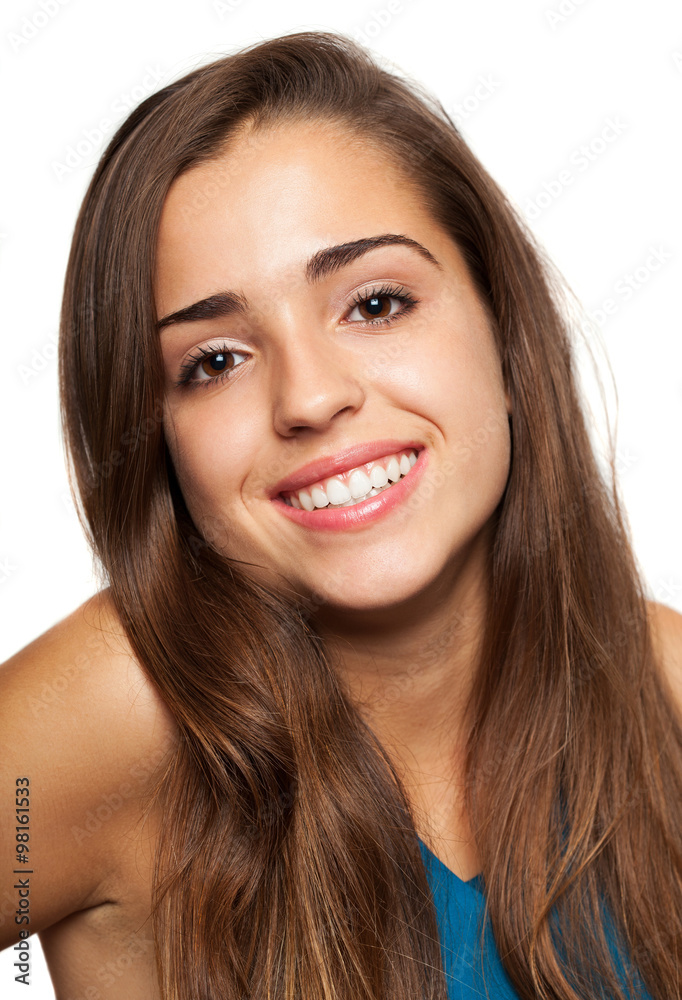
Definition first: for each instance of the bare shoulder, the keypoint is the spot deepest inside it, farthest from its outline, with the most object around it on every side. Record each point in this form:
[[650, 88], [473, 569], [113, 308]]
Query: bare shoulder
[[85, 733], [82, 676], [666, 633]]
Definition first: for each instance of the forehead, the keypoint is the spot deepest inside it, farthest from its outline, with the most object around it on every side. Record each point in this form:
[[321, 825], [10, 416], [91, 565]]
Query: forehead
[[272, 198], [290, 167]]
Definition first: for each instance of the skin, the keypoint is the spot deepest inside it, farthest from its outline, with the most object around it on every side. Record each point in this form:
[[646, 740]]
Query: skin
[[400, 601]]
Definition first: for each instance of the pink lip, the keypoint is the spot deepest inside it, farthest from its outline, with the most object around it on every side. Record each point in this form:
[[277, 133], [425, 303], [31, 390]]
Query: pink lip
[[349, 458], [360, 514]]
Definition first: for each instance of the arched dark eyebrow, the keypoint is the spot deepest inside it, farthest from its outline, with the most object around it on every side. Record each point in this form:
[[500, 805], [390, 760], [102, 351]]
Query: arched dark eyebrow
[[330, 259], [322, 263]]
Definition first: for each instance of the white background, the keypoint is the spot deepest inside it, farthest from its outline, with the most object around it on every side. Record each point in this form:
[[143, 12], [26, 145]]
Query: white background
[[529, 82]]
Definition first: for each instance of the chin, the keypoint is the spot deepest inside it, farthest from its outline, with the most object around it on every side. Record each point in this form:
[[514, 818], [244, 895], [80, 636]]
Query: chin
[[372, 593]]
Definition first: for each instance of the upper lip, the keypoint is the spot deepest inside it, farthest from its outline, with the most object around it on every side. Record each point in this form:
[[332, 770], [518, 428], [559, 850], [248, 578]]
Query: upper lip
[[348, 458]]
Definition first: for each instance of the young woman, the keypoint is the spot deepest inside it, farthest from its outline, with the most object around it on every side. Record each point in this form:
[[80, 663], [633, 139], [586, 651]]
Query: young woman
[[372, 703]]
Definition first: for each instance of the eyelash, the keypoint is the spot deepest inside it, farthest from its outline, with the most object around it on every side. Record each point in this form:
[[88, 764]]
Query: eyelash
[[189, 366]]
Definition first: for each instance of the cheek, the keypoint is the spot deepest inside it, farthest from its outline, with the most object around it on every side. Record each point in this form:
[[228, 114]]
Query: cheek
[[205, 451], [470, 408], [481, 449], [450, 372]]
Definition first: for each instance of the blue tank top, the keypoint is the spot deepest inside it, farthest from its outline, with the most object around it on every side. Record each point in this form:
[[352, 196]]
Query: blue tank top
[[460, 908]]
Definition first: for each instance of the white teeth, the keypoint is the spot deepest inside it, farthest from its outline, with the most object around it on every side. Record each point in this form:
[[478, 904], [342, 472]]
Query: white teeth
[[378, 476], [319, 497], [306, 500], [337, 492], [372, 493], [359, 483], [393, 470]]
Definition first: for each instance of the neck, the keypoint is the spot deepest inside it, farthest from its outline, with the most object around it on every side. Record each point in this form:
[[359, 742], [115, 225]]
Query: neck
[[409, 670]]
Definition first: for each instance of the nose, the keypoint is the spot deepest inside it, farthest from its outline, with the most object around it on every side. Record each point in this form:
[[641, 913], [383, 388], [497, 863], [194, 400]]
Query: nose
[[314, 381]]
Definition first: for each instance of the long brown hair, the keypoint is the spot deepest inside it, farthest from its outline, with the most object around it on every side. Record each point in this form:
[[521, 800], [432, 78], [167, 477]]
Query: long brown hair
[[288, 864]]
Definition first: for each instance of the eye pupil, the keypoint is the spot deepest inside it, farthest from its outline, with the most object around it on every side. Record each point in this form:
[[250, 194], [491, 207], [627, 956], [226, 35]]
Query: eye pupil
[[377, 305], [214, 363]]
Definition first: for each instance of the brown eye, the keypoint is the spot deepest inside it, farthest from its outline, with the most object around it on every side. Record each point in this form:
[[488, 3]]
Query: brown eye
[[381, 305], [210, 364], [214, 364], [377, 307]]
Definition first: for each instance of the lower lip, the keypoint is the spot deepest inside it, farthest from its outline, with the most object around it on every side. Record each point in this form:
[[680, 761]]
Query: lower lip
[[360, 514]]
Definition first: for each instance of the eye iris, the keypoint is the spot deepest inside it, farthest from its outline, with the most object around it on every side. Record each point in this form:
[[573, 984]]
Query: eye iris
[[378, 305], [215, 363]]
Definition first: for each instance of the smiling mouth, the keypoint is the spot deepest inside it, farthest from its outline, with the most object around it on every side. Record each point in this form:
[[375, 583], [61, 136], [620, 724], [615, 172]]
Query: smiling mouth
[[349, 488]]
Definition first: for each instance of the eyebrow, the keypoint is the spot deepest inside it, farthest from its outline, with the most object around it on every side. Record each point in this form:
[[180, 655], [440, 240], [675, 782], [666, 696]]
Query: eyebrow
[[322, 263]]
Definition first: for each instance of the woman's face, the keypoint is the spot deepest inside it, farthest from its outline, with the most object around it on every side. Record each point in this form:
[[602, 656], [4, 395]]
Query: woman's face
[[317, 355]]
